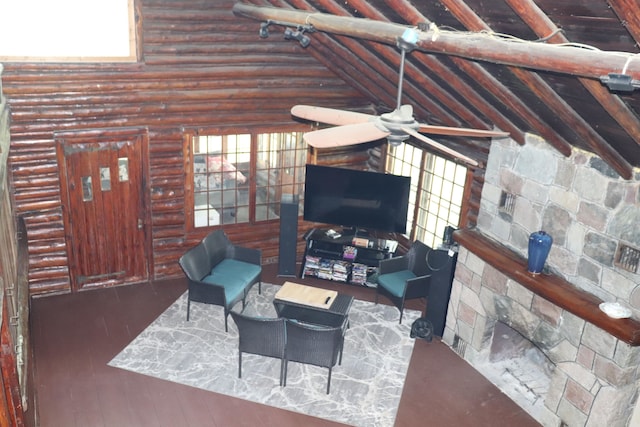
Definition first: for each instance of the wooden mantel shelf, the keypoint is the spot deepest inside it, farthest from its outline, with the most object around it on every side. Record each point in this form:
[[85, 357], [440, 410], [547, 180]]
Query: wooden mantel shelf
[[550, 287]]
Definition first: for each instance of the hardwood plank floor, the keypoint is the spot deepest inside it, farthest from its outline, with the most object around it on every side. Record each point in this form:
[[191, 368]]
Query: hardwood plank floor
[[74, 336]]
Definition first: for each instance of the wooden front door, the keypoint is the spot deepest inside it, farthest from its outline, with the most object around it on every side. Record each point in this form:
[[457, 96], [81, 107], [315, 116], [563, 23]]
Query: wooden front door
[[104, 206]]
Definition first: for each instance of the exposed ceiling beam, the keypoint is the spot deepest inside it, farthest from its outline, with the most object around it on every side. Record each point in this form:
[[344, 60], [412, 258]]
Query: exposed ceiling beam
[[537, 20], [550, 98], [575, 122], [472, 96], [627, 11], [422, 105], [459, 86], [565, 59], [505, 96], [492, 48], [410, 72], [490, 83]]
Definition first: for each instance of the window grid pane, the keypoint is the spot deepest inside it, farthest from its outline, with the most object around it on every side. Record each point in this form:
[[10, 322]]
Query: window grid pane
[[280, 171], [439, 202], [221, 179], [222, 168]]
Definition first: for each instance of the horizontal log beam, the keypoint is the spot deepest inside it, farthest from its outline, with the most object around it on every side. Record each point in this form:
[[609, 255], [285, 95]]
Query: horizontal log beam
[[482, 46]]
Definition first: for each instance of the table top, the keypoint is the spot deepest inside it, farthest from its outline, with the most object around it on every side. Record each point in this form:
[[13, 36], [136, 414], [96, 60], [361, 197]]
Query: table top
[[306, 295]]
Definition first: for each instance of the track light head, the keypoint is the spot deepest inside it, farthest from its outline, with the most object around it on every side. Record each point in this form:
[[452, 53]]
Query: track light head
[[264, 30], [288, 34], [299, 35], [304, 40]]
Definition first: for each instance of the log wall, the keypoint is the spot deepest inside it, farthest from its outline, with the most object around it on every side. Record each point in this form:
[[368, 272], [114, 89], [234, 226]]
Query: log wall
[[14, 308], [200, 67]]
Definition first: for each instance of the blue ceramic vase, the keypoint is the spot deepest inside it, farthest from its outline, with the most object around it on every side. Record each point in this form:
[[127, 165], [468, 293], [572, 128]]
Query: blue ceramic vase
[[539, 247]]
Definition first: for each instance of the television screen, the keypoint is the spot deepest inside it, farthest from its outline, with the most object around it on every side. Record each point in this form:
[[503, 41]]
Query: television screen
[[353, 198]]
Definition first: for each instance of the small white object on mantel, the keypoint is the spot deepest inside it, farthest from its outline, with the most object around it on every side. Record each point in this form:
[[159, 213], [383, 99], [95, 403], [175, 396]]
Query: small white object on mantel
[[615, 310]]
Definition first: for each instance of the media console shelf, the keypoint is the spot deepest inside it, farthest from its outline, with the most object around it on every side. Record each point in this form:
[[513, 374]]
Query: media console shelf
[[348, 258], [549, 286]]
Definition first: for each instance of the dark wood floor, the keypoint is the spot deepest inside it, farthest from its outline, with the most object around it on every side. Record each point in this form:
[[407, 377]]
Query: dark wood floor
[[74, 336]]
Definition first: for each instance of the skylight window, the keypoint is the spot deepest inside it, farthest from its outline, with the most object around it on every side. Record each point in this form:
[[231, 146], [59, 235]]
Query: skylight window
[[67, 30]]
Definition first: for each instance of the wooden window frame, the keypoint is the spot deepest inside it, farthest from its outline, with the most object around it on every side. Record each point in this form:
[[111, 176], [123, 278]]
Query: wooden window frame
[[421, 187], [280, 187]]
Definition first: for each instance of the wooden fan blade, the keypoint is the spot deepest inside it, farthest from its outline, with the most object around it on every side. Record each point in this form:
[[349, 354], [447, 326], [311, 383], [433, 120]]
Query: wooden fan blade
[[440, 147], [331, 116], [453, 131], [342, 136]]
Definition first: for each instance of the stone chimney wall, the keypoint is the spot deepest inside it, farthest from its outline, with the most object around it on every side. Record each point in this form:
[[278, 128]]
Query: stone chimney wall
[[593, 216], [582, 203]]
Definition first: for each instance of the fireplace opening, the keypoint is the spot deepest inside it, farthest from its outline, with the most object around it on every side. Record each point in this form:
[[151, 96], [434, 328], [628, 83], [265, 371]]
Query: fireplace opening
[[518, 367]]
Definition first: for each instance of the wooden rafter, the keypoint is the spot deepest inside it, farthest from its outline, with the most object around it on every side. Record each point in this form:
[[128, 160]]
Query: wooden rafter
[[416, 75], [459, 86], [627, 11], [575, 61], [504, 95], [537, 20], [497, 89], [568, 60], [391, 73], [472, 97], [551, 99]]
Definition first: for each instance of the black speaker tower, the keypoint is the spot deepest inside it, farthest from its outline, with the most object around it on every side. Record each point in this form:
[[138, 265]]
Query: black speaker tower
[[288, 236]]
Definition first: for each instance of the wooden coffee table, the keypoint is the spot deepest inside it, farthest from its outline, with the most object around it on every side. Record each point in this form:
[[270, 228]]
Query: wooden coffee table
[[312, 305]]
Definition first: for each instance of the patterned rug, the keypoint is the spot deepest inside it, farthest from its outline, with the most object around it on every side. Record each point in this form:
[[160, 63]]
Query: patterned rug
[[365, 388]]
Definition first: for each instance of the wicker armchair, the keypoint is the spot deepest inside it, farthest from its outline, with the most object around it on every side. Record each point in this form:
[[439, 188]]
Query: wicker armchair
[[220, 273], [220, 248], [261, 336], [405, 277], [314, 345]]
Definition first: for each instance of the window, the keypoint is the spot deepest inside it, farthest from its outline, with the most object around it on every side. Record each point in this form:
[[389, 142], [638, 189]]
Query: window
[[241, 178], [68, 30], [437, 190], [280, 169]]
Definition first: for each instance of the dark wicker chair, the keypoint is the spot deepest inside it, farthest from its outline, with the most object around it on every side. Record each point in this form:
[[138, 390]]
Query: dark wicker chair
[[405, 277], [314, 345], [219, 247], [220, 273], [261, 336]]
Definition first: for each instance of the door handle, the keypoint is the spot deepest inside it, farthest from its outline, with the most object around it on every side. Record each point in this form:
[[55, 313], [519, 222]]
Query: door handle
[[140, 224]]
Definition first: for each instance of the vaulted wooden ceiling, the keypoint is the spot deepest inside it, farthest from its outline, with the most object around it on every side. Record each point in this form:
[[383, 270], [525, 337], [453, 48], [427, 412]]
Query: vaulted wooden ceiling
[[559, 98]]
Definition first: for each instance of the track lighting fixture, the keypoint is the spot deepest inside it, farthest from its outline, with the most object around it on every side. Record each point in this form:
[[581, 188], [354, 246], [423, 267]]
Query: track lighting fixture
[[264, 29], [289, 34], [298, 34]]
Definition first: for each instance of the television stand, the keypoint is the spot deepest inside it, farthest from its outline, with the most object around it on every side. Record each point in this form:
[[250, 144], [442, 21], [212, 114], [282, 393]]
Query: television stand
[[347, 258]]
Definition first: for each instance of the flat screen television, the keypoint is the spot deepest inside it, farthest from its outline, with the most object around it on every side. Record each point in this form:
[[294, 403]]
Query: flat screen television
[[359, 199]]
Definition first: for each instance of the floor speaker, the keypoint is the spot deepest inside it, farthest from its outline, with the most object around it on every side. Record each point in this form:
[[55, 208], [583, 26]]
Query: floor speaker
[[288, 237], [442, 265]]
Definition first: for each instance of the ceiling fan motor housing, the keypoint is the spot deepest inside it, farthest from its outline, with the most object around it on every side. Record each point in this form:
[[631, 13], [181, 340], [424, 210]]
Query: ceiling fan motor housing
[[395, 122]]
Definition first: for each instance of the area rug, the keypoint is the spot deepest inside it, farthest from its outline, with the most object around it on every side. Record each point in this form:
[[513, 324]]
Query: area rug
[[365, 388]]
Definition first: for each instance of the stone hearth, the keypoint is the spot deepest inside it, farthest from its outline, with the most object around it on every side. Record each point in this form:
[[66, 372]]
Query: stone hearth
[[592, 214]]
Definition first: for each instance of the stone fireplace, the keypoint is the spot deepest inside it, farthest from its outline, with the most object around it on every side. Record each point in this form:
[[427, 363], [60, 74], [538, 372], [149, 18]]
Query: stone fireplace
[[542, 339]]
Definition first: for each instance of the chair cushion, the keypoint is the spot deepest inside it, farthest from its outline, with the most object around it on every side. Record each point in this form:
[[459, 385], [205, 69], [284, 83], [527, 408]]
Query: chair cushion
[[396, 282], [238, 269], [234, 275]]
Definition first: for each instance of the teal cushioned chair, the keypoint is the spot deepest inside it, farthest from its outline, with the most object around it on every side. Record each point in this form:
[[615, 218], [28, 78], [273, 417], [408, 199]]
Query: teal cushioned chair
[[405, 277], [220, 273]]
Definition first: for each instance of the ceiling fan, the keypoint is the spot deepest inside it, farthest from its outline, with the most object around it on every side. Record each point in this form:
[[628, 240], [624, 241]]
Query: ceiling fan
[[397, 126]]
